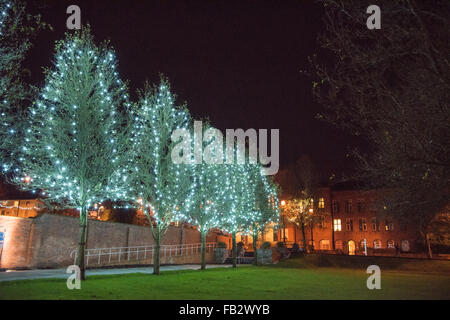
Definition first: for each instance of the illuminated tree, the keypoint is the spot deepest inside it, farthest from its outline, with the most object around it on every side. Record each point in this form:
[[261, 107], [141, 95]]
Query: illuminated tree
[[239, 209], [266, 206], [74, 143], [157, 184], [207, 189], [16, 28], [299, 211], [299, 184]]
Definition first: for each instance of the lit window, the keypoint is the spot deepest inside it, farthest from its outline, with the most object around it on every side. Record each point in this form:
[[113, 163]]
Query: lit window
[[405, 245], [321, 203], [337, 224], [389, 226], [391, 244], [363, 244], [362, 224], [377, 244], [324, 245]]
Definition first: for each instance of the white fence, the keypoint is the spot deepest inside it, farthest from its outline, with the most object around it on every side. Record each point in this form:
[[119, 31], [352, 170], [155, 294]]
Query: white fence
[[103, 256]]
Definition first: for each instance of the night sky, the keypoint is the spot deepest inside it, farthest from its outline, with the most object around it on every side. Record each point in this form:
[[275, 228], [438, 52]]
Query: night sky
[[235, 62]]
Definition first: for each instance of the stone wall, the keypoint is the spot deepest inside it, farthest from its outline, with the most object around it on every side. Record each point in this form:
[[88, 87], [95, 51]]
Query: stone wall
[[47, 240]]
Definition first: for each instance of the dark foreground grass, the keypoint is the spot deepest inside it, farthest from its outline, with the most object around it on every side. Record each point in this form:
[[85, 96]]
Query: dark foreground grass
[[247, 282]]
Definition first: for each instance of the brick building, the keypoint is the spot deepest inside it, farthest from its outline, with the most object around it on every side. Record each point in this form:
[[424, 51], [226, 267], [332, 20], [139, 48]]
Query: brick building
[[346, 221]]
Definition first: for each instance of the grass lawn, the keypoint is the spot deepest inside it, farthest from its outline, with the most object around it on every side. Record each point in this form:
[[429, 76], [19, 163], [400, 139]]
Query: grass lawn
[[289, 280]]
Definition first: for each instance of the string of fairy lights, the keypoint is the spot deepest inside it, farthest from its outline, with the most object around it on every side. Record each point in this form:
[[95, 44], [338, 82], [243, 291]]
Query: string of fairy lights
[[4, 7], [76, 150]]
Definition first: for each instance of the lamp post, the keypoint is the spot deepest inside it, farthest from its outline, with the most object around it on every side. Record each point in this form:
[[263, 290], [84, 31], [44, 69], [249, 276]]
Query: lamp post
[[283, 204]]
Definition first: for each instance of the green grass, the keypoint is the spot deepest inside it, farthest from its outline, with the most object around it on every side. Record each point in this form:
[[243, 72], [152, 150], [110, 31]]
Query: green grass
[[287, 280]]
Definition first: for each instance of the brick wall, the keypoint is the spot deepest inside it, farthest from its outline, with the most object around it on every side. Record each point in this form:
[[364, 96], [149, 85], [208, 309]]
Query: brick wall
[[47, 240]]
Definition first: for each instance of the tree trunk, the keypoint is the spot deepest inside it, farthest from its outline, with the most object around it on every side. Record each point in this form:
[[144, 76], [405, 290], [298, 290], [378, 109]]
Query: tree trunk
[[428, 243], [203, 250], [426, 239], [157, 251], [255, 250], [82, 242], [304, 238], [233, 250]]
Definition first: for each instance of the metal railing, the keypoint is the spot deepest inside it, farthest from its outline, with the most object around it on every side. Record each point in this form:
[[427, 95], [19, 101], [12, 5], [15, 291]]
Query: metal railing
[[138, 253]]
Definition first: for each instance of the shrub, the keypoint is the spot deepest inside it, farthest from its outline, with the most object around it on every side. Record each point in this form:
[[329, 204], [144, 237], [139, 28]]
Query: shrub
[[266, 245], [221, 244], [295, 247]]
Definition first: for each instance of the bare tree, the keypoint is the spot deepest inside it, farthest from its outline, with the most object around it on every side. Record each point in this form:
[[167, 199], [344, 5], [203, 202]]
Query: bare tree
[[299, 182], [391, 87]]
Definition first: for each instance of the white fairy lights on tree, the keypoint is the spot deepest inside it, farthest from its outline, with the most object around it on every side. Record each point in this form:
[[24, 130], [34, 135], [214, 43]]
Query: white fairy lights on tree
[[14, 43], [207, 192], [157, 185], [74, 142], [266, 210]]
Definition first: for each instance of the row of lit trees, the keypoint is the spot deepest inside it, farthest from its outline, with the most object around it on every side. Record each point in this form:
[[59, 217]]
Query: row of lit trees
[[85, 142]]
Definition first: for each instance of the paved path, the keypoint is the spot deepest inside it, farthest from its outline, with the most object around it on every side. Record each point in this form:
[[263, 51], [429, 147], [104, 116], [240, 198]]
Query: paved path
[[61, 273]]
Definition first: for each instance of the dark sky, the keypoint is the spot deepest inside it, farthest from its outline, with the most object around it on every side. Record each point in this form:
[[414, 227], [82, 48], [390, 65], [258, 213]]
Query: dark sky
[[235, 62]]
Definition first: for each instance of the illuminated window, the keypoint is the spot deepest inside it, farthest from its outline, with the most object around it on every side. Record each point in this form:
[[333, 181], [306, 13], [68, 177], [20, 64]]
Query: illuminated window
[[348, 206], [349, 224], [391, 244], [321, 203], [362, 224], [337, 225], [363, 244], [389, 226], [324, 245], [377, 244], [405, 245]]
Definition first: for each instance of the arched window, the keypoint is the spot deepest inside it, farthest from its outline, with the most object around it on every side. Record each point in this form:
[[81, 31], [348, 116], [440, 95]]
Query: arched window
[[362, 244], [405, 245], [377, 244], [391, 244]]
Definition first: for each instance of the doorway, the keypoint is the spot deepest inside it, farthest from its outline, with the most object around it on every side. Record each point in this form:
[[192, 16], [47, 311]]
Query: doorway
[[351, 248]]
